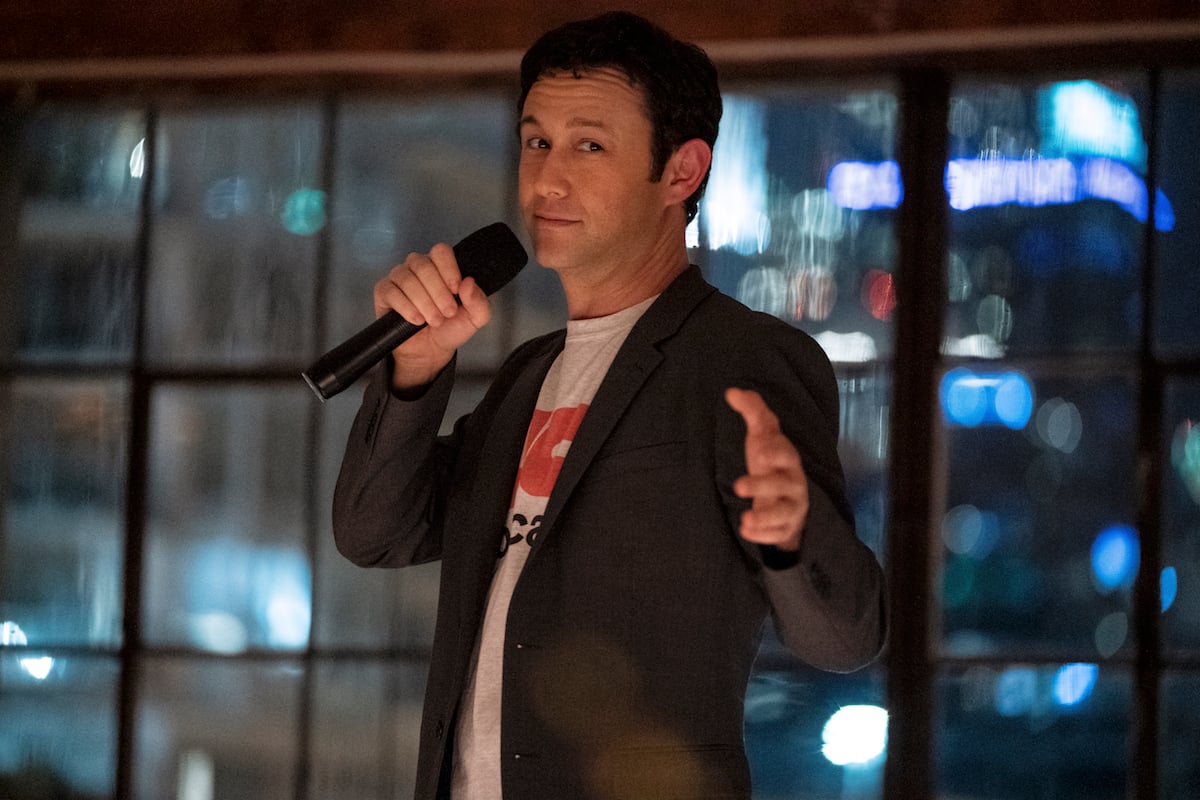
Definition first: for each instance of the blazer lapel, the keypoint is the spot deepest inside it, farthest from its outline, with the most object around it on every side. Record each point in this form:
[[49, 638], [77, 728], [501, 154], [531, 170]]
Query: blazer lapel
[[499, 458], [637, 359]]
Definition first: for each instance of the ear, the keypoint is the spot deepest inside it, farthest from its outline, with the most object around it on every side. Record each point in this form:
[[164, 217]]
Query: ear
[[685, 169]]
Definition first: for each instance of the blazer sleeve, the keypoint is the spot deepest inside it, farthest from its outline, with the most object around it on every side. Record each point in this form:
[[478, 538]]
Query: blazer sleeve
[[394, 476], [827, 599]]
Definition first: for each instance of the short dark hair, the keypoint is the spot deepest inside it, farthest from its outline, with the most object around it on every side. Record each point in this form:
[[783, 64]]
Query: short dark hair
[[677, 79]]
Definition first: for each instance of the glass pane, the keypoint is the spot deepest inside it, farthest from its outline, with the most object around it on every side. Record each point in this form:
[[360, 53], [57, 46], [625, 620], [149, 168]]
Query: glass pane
[[1179, 756], [798, 216], [411, 174], [238, 206], [1177, 216], [59, 737], [375, 609], [1048, 197], [865, 402], [1033, 733], [1180, 579], [212, 728], [226, 565], [61, 544], [1039, 553], [815, 735], [70, 297], [366, 720]]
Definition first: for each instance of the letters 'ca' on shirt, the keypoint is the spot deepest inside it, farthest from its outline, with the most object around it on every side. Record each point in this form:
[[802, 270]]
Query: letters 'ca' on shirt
[[567, 391]]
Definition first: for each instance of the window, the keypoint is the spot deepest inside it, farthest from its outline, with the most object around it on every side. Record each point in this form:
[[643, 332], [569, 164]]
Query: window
[[174, 618]]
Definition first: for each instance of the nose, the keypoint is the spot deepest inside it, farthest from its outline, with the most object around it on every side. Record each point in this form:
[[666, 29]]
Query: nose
[[546, 174]]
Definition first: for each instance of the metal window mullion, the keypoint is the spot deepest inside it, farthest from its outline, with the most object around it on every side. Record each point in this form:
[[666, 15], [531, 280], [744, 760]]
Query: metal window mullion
[[1144, 775], [912, 503], [136, 490], [312, 475]]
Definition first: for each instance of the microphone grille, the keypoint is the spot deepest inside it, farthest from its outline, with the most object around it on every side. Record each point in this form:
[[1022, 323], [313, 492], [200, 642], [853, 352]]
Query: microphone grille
[[492, 256]]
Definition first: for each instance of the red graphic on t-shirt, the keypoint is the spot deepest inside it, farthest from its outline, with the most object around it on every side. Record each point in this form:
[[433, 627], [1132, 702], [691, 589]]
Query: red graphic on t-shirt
[[550, 434]]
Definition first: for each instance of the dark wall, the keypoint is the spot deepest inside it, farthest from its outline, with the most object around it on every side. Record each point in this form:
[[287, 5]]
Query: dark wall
[[57, 29]]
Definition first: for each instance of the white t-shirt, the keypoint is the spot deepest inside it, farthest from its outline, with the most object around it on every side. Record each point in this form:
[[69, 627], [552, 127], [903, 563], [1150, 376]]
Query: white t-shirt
[[566, 393]]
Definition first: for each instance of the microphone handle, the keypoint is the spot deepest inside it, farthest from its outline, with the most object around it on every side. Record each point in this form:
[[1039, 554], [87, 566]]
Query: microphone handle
[[347, 362]]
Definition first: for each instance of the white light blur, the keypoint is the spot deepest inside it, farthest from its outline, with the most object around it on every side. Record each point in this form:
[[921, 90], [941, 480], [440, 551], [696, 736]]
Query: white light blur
[[11, 634], [38, 667], [977, 345], [764, 289], [1059, 424], [855, 735], [735, 203], [218, 631], [196, 776], [137, 160], [855, 347]]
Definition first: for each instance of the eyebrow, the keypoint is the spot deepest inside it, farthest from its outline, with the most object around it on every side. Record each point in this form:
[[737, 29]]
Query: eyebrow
[[573, 122]]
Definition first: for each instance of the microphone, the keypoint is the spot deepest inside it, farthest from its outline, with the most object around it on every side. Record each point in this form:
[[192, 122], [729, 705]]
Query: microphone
[[492, 256]]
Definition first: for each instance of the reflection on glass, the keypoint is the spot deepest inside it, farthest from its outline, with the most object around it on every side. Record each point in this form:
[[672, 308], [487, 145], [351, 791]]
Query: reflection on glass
[[1180, 581], [411, 174], [1046, 184], [213, 728], [1038, 548], [238, 206], [366, 717], [374, 609], [226, 567], [1179, 764], [864, 404], [61, 542], [796, 222], [1178, 281], [69, 294], [60, 721], [814, 734], [1019, 731]]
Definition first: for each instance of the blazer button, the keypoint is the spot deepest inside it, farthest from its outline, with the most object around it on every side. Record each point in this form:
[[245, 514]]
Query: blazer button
[[438, 729]]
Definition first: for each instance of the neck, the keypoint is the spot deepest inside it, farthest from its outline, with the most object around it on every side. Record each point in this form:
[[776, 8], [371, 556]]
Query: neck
[[623, 285]]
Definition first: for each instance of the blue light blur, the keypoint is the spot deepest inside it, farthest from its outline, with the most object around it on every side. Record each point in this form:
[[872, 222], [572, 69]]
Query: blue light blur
[[1073, 683], [1168, 587], [1085, 118], [304, 212], [984, 183], [973, 400], [1115, 557]]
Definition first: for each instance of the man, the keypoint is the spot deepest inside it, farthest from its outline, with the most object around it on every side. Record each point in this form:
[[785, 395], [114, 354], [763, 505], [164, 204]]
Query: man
[[633, 495]]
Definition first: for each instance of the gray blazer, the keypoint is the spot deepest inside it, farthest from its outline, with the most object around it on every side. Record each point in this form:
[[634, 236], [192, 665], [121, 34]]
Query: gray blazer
[[635, 623]]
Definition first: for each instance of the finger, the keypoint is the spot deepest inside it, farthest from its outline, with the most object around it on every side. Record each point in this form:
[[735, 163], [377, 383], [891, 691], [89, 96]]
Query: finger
[[390, 295], [770, 486], [440, 278], [475, 302], [759, 418], [780, 528]]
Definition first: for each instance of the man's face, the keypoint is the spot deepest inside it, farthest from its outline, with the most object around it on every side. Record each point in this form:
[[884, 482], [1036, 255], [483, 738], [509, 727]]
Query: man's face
[[585, 189]]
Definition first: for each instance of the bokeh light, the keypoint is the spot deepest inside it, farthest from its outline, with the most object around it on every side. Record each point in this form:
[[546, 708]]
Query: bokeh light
[[970, 400], [1073, 683], [855, 735], [1115, 557], [304, 212]]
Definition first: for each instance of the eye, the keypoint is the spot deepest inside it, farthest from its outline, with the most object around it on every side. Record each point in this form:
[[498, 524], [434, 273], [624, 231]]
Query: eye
[[536, 143], [591, 147]]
